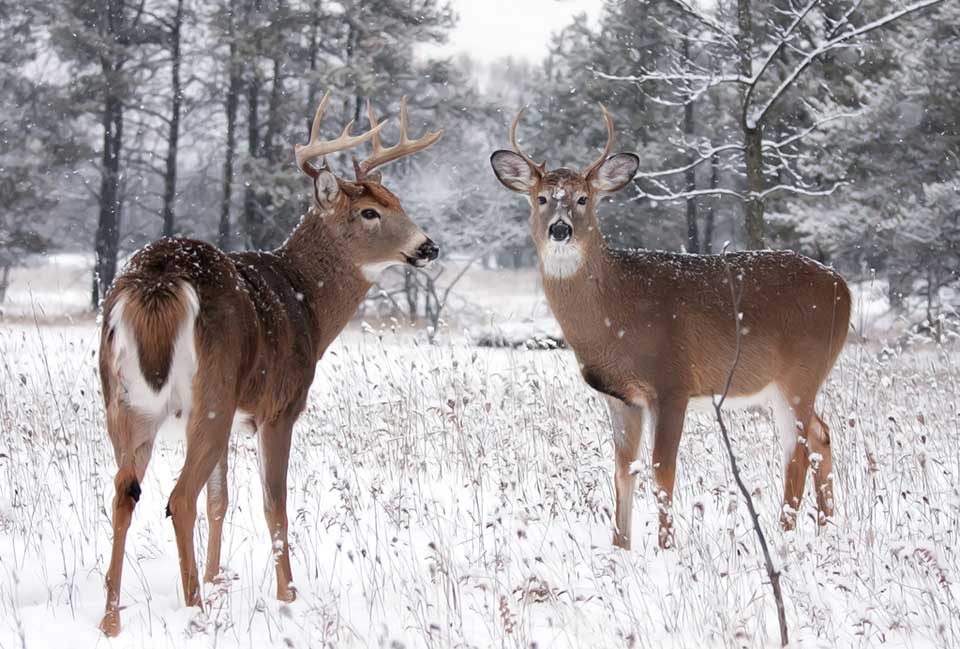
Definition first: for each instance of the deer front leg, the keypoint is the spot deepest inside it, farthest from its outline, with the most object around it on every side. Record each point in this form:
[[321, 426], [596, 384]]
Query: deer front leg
[[627, 430]]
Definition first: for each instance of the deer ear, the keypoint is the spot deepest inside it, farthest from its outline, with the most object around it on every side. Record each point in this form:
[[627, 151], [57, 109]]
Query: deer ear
[[325, 188], [513, 171], [615, 173]]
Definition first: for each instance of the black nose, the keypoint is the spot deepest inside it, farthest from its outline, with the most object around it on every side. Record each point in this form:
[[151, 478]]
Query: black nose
[[560, 231], [428, 251]]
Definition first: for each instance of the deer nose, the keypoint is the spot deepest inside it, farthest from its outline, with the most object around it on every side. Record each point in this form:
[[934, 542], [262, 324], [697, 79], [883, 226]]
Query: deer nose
[[428, 250], [560, 231]]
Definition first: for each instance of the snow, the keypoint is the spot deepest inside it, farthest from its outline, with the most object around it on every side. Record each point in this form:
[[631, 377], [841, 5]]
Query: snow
[[450, 496], [50, 285], [455, 496]]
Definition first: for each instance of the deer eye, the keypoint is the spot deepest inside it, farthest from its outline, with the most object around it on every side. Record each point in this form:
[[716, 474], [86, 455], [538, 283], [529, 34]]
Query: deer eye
[[582, 200], [542, 200], [370, 214]]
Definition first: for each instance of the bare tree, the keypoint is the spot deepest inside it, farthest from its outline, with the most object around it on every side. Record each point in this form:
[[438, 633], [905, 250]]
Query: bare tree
[[174, 27], [764, 61], [106, 42]]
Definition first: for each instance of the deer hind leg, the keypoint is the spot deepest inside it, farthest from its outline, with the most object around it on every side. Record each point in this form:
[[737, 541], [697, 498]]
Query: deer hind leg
[[668, 428], [216, 512], [818, 439], [275, 440], [804, 434], [208, 436], [627, 430], [132, 437]]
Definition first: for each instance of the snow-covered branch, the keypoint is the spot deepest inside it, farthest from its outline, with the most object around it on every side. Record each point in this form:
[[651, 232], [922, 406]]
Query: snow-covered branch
[[670, 196], [793, 139], [803, 191], [705, 20], [784, 39], [696, 163], [831, 43]]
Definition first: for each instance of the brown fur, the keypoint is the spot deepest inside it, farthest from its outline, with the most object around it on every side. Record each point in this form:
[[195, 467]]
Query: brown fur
[[652, 330], [265, 320]]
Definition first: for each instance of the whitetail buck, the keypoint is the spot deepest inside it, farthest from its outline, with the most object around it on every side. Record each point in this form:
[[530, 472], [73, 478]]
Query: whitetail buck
[[655, 331], [234, 338]]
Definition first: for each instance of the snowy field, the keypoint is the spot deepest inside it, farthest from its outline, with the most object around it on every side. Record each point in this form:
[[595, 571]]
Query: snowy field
[[449, 496]]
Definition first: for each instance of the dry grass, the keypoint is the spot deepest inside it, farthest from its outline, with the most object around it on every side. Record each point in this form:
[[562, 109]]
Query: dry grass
[[451, 497]]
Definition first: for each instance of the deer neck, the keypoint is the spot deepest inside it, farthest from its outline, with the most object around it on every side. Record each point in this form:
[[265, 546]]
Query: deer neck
[[578, 300], [333, 286]]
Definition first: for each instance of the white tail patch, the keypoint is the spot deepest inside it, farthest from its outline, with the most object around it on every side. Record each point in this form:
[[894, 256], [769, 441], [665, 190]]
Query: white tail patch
[[176, 393]]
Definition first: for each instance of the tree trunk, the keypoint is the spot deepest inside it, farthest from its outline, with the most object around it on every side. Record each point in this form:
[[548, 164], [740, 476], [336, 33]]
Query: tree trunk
[[710, 217], [899, 286], [411, 290], [107, 240], [752, 134], [312, 89], [170, 177], [4, 282], [232, 102], [689, 130], [251, 215], [273, 111], [753, 207]]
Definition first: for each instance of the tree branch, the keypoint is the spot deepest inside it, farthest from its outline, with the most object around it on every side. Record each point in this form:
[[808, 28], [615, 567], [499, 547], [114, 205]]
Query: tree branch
[[826, 46], [772, 573]]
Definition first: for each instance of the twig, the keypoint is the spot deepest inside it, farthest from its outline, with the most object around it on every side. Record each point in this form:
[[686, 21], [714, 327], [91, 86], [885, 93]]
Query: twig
[[772, 572]]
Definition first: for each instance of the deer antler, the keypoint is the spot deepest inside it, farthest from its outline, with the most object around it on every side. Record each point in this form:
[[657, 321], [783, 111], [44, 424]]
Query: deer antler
[[606, 149], [516, 147], [381, 155], [318, 148]]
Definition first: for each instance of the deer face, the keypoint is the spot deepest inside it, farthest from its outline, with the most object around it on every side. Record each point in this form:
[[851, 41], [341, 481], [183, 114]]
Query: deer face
[[370, 220], [563, 217]]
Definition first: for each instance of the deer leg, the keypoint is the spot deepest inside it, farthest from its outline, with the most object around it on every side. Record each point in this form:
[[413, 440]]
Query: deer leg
[[208, 436], [668, 428], [275, 440], [794, 481], [793, 421], [216, 512], [627, 430], [818, 439], [126, 431]]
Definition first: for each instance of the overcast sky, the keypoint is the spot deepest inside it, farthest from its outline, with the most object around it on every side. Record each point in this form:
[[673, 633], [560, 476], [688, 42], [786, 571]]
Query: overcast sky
[[492, 29]]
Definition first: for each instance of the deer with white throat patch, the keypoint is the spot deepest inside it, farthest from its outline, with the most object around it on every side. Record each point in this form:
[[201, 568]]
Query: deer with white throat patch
[[655, 331]]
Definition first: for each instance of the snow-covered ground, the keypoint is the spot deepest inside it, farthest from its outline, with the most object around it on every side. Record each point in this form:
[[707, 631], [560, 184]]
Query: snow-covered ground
[[50, 286], [449, 496], [499, 303]]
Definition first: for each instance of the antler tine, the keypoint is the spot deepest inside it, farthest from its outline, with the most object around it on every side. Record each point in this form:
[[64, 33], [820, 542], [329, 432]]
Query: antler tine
[[381, 155], [318, 116], [372, 117], [403, 120], [317, 148], [516, 147], [607, 148]]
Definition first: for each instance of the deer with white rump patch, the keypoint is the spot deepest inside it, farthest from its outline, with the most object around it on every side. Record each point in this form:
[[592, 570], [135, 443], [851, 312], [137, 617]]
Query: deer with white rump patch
[[655, 331], [232, 339]]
